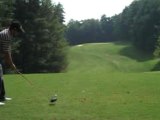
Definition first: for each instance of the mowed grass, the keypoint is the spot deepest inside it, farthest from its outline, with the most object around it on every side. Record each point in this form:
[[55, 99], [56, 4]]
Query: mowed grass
[[109, 57], [88, 92]]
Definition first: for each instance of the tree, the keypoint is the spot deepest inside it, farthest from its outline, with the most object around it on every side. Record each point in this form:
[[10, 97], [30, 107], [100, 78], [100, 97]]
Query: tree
[[90, 30], [144, 22], [106, 28], [157, 50], [138, 23], [83, 31], [73, 33], [42, 47], [6, 12]]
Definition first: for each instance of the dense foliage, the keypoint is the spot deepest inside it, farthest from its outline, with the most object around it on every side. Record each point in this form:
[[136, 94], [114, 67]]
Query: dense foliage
[[43, 47]]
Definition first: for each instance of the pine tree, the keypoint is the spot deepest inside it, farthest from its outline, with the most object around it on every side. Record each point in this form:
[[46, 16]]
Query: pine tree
[[6, 12], [41, 49]]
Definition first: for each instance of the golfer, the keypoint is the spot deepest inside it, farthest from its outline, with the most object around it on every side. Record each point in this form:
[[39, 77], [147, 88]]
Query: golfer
[[5, 53]]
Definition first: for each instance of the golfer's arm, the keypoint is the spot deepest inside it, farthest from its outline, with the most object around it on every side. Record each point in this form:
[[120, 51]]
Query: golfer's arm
[[8, 59]]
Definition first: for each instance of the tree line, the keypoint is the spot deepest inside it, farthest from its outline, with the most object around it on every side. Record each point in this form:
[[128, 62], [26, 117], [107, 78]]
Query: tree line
[[139, 23], [43, 47]]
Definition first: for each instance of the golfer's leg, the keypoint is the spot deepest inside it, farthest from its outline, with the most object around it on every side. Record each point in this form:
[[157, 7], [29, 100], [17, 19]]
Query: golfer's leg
[[2, 89]]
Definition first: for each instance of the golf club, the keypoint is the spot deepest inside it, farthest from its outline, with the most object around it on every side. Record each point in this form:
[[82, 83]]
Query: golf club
[[52, 100]]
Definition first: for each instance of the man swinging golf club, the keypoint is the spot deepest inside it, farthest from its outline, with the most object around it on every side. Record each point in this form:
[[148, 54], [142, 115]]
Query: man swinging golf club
[[5, 53]]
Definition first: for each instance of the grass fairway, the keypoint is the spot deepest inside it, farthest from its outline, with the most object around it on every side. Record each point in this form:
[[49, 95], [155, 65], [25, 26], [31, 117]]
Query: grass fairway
[[94, 88], [109, 57]]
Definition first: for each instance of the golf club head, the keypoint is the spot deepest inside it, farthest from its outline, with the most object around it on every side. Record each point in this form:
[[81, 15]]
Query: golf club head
[[53, 100]]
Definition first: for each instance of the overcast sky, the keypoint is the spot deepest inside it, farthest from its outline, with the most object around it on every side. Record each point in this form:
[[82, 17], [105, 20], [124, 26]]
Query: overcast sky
[[86, 9]]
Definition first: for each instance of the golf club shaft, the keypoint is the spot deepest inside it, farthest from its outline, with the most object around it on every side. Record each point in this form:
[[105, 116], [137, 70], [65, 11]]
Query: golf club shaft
[[25, 78], [40, 91]]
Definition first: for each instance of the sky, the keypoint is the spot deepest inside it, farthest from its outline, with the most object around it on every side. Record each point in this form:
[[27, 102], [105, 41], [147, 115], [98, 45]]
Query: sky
[[87, 9]]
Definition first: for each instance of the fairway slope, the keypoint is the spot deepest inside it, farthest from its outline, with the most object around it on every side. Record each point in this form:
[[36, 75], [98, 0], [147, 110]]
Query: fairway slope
[[109, 57]]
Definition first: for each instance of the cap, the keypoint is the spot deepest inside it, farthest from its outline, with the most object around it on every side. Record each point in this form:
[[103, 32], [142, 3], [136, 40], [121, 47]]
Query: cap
[[16, 26]]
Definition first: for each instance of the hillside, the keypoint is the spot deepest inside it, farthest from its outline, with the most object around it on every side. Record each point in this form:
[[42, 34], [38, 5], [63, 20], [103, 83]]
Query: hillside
[[109, 57]]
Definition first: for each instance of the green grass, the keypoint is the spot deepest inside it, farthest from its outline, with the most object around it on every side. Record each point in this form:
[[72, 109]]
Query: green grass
[[109, 57], [92, 89]]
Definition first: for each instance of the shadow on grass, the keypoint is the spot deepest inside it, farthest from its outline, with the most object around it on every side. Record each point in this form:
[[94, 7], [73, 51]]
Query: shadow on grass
[[133, 53]]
